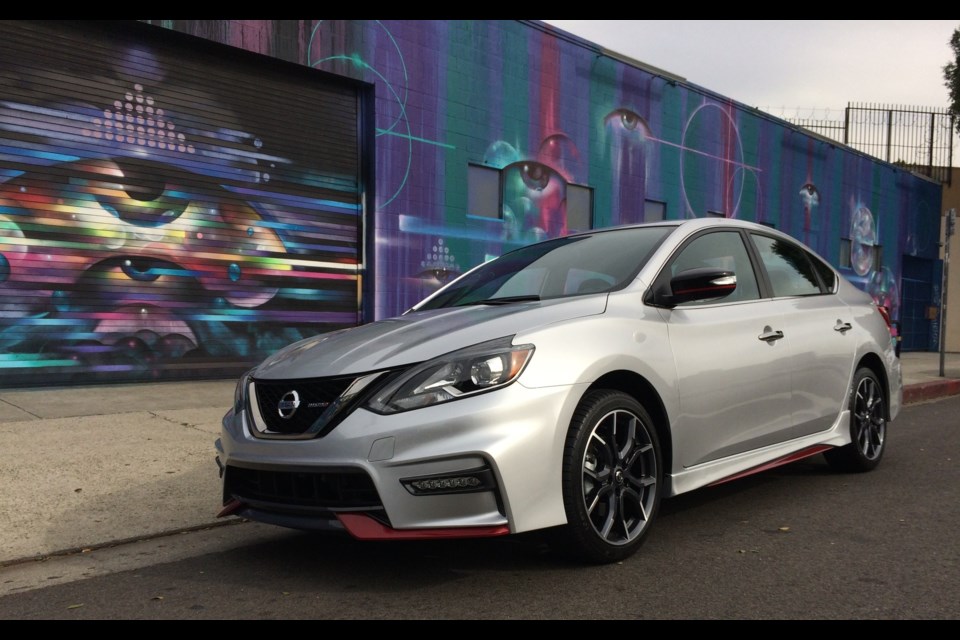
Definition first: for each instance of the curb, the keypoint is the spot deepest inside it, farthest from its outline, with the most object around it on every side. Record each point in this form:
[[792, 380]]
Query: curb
[[930, 390]]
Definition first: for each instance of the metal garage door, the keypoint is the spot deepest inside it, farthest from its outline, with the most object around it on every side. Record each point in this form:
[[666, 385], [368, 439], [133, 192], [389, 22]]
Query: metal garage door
[[169, 208]]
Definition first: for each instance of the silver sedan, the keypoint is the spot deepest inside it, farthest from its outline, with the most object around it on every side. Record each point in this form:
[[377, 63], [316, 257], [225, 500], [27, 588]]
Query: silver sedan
[[568, 386]]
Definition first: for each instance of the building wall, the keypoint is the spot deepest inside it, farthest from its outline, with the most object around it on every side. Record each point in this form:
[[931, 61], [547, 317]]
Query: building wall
[[555, 117], [550, 110]]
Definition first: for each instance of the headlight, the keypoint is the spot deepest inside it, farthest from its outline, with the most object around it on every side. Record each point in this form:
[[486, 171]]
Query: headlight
[[240, 393], [459, 374]]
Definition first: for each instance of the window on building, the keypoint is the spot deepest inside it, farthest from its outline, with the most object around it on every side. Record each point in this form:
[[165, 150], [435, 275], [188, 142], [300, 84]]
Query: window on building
[[654, 211], [863, 259], [579, 208], [483, 191], [485, 198]]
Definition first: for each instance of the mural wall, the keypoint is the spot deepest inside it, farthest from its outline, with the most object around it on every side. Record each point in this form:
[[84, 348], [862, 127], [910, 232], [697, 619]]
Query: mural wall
[[556, 125], [548, 111], [160, 216]]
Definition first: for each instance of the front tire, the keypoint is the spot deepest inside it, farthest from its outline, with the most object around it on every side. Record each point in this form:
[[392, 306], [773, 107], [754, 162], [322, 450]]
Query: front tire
[[868, 426], [612, 478]]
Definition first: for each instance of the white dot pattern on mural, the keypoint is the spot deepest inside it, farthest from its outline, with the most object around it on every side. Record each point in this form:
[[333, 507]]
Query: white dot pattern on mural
[[438, 257], [135, 119]]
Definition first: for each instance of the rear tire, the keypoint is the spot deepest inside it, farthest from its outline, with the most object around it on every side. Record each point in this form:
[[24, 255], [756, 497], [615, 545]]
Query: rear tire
[[868, 426], [612, 478]]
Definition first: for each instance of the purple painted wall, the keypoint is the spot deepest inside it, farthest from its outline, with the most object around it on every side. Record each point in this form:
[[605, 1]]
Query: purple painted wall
[[554, 115]]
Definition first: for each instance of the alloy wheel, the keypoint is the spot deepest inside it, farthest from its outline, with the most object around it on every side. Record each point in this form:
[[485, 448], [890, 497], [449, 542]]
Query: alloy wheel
[[619, 477], [870, 423]]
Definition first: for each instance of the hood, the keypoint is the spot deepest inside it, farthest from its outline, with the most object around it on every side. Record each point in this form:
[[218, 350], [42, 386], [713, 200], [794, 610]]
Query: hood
[[417, 337]]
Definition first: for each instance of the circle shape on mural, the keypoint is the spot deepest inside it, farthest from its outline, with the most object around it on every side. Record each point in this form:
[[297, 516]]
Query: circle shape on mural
[[711, 149]]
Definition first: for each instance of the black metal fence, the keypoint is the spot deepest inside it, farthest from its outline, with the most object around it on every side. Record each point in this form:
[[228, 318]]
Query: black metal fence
[[919, 138]]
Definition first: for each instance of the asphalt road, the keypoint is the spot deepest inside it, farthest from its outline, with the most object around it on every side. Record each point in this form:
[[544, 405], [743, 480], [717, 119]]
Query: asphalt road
[[795, 543]]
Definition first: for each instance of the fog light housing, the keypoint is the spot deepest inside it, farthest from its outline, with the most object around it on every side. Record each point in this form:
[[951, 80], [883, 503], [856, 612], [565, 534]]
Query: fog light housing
[[468, 481]]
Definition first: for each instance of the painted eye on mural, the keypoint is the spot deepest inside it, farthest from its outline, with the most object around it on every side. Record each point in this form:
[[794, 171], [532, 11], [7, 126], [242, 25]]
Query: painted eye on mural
[[143, 269], [439, 275], [809, 194], [141, 194], [534, 175], [628, 120]]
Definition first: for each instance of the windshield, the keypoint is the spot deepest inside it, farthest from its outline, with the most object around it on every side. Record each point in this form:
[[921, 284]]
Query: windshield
[[570, 266]]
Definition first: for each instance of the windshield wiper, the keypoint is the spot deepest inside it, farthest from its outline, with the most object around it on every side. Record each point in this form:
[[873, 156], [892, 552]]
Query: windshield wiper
[[505, 300]]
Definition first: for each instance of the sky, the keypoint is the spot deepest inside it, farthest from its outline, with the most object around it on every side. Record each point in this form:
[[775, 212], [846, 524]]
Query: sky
[[791, 68]]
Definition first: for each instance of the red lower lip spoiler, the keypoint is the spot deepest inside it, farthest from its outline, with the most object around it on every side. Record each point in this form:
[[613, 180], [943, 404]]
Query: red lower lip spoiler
[[779, 462], [230, 508], [363, 527]]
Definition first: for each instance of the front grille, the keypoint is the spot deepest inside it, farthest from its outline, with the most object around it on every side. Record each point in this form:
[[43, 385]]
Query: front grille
[[339, 489], [314, 395]]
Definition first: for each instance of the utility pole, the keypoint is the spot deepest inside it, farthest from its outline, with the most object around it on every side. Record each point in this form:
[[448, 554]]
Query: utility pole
[[951, 227]]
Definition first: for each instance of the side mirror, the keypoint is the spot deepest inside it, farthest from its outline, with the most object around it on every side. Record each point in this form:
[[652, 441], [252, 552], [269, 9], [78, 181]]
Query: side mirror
[[697, 284]]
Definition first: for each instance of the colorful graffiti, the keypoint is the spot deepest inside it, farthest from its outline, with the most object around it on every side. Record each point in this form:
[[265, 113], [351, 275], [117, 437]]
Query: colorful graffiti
[[551, 115], [252, 238], [145, 238]]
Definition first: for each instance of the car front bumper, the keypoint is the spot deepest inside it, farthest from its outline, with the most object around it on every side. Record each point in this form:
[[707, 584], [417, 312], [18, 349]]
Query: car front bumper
[[485, 465]]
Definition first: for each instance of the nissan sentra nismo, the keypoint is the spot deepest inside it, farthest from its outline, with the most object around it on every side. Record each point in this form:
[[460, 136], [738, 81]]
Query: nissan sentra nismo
[[568, 386]]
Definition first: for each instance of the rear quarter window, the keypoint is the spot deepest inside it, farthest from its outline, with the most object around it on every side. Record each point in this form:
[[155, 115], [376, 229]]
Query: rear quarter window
[[789, 267]]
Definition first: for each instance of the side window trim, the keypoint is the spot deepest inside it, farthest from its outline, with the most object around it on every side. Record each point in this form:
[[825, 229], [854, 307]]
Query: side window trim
[[824, 288], [759, 268]]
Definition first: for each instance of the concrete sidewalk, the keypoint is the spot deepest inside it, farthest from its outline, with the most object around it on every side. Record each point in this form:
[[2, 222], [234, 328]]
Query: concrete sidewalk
[[84, 467], [89, 467]]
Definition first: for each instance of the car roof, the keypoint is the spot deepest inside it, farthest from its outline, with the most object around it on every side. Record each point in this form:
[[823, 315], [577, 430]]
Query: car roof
[[692, 224]]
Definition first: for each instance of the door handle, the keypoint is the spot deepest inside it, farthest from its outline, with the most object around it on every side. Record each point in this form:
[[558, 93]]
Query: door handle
[[769, 335], [842, 327]]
